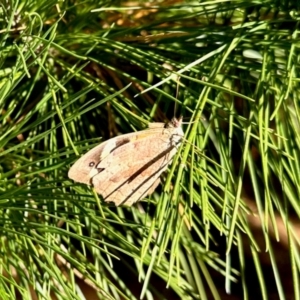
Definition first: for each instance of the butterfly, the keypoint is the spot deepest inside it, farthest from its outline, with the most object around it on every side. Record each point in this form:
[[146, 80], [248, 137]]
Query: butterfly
[[127, 168]]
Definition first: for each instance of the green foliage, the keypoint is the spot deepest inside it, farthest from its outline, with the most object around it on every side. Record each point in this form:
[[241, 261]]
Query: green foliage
[[74, 73]]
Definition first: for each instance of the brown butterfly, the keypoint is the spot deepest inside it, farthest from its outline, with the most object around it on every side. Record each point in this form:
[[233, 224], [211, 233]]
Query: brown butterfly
[[127, 168]]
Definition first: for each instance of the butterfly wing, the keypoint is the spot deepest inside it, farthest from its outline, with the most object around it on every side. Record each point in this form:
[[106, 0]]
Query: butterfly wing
[[85, 167], [132, 171]]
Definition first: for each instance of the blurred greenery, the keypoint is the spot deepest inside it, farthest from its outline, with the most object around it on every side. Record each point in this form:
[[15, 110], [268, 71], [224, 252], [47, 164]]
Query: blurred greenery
[[225, 222]]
